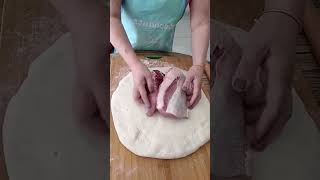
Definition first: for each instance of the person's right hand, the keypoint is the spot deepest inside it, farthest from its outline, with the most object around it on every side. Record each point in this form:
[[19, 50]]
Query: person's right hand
[[143, 84]]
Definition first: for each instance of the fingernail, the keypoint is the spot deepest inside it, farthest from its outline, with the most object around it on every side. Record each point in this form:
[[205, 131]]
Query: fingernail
[[240, 84]]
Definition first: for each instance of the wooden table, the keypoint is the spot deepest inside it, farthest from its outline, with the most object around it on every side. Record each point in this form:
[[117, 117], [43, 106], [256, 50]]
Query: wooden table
[[126, 165]]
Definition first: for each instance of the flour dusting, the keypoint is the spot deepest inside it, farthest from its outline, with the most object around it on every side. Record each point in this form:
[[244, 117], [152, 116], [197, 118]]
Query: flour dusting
[[130, 172]]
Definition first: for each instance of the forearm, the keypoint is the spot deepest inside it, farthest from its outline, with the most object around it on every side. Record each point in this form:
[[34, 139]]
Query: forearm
[[199, 23], [200, 43], [120, 41], [87, 21]]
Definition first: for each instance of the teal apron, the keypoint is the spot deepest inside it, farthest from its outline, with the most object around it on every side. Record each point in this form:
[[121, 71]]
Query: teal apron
[[150, 24]]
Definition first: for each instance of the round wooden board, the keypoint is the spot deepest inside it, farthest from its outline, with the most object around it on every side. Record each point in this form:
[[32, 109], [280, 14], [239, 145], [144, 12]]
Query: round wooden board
[[126, 165]]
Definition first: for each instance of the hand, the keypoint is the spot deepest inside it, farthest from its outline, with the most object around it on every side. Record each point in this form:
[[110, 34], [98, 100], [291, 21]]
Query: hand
[[271, 46], [192, 85], [143, 83]]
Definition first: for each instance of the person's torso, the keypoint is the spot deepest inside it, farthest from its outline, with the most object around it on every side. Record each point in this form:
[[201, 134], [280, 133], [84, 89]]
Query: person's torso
[[150, 25]]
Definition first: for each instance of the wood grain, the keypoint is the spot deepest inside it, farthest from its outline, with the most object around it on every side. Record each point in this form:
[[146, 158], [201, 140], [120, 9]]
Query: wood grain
[[126, 165]]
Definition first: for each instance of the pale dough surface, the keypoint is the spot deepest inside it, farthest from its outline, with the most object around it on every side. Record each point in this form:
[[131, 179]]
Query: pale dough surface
[[158, 136]]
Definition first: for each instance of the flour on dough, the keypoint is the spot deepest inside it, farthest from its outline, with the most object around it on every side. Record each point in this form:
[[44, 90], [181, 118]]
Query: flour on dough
[[158, 136]]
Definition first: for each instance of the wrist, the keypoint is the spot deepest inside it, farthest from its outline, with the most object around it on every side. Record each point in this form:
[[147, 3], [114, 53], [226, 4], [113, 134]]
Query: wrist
[[198, 67], [133, 63], [198, 63]]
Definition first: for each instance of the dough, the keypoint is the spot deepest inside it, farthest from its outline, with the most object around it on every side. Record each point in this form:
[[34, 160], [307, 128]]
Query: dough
[[41, 139], [158, 136]]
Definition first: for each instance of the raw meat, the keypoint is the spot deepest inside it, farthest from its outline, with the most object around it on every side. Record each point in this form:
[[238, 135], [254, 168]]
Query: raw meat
[[171, 100], [157, 77]]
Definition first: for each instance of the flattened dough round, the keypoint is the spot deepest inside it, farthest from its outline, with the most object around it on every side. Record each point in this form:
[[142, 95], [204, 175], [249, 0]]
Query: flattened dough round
[[157, 136]]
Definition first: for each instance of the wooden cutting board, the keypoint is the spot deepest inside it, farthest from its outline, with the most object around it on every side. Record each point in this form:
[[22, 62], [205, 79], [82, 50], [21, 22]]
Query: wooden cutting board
[[125, 165]]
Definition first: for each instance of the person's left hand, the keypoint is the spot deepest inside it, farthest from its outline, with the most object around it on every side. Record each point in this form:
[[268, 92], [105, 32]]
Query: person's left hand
[[192, 85], [271, 45]]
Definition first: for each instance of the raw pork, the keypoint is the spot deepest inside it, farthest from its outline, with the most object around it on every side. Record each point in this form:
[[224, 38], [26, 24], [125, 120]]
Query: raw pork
[[171, 100], [157, 77]]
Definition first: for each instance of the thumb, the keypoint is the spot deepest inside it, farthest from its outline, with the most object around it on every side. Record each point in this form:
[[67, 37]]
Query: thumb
[[150, 83], [187, 84], [246, 71]]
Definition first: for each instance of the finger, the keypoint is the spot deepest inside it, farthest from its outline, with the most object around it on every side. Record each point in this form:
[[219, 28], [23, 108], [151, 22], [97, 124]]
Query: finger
[[144, 96], [136, 95], [187, 84], [196, 91], [195, 102], [150, 83], [189, 97], [248, 66]]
